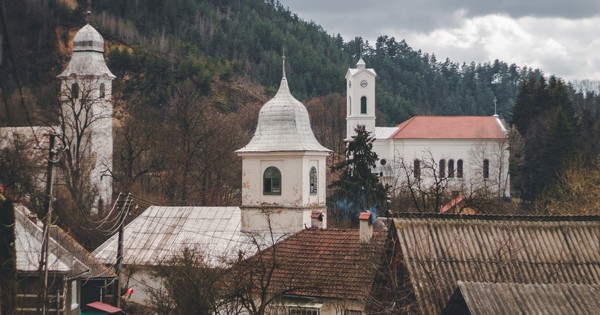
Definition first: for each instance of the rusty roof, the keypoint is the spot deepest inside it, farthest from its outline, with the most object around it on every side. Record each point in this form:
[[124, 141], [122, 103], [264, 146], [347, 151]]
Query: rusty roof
[[516, 298], [450, 127], [439, 250], [327, 263]]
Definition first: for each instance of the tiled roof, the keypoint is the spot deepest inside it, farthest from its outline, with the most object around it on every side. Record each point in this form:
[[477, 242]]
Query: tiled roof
[[514, 298], [450, 127], [160, 232], [283, 125], [439, 250], [28, 246], [329, 263]]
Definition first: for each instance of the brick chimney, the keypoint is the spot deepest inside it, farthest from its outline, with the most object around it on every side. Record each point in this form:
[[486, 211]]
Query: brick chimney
[[366, 227], [318, 220]]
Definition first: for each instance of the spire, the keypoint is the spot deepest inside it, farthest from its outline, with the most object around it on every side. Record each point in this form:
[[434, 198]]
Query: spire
[[283, 61]]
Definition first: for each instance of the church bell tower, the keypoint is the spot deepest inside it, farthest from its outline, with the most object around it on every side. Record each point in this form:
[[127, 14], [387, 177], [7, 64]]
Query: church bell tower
[[360, 98]]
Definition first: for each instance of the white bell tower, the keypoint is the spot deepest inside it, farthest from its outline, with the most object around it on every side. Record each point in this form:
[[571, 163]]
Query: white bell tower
[[87, 109], [360, 98], [283, 169]]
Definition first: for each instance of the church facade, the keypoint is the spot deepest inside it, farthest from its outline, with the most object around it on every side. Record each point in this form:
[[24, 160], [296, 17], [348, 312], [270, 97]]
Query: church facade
[[462, 153]]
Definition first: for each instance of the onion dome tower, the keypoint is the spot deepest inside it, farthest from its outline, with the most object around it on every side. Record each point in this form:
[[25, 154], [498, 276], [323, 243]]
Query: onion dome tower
[[86, 112], [283, 168]]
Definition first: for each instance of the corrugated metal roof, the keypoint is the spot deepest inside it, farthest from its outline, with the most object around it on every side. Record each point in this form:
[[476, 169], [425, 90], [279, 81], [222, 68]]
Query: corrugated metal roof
[[160, 232], [283, 125], [514, 298], [28, 246], [439, 250], [451, 127], [385, 132]]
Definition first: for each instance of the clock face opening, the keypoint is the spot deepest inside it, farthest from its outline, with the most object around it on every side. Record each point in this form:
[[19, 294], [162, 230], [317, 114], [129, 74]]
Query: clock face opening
[[363, 83]]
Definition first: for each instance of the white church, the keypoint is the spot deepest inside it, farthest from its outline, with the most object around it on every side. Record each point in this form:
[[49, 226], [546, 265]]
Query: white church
[[463, 152]]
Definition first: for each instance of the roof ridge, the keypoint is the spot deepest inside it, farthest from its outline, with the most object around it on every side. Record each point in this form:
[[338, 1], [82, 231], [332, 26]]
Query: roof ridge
[[500, 217]]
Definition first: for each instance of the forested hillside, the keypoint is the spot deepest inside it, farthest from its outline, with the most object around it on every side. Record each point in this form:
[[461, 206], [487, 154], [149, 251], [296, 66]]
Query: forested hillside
[[214, 62]]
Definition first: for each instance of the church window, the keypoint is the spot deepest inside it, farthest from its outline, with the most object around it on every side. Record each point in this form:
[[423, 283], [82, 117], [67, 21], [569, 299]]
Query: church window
[[486, 168], [442, 168], [363, 105], [459, 168], [272, 181], [349, 105], [102, 90], [313, 180], [75, 91], [417, 169], [451, 168], [304, 311]]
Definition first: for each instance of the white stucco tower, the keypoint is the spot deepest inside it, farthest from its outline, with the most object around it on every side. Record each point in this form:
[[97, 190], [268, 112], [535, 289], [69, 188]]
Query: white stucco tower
[[283, 168], [86, 105], [360, 101]]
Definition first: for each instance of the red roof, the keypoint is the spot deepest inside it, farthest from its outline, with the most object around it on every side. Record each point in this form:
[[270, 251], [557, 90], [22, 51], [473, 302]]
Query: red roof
[[327, 263], [450, 127], [104, 308]]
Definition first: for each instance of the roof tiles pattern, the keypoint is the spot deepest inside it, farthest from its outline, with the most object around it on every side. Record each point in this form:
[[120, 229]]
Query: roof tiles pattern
[[329, 263], [450, 127], [439, 250]]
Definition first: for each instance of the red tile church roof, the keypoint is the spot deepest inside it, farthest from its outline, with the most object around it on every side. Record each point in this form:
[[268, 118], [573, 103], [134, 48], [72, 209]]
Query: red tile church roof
[[450, 127]]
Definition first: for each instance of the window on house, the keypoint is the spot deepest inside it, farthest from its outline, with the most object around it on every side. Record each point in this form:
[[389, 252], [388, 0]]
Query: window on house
[[417, 169], [442, 168], [102, 90], [486, 168], [363, 105], [451, 168], [304, 311], [272, 181], [75, 91], [313, 180], [459, 168], [74, 295]]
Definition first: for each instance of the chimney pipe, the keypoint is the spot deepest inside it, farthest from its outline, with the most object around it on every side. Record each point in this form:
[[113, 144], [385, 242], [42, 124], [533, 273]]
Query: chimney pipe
[[366, 227], [317, 220]]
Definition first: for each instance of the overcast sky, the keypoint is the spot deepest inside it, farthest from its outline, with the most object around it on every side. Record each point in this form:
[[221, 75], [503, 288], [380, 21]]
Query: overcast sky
[[560, 37]]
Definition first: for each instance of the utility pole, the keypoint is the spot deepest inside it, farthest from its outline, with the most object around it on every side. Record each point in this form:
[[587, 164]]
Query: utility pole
[[122, 215], [43, 268]]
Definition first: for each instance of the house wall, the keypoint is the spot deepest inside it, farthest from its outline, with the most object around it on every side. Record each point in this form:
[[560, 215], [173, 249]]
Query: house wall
[[59, 292]]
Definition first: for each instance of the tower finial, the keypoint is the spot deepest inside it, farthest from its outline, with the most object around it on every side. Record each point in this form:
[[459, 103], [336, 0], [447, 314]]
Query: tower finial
[[283, 60], [88, 12], [495, 113]]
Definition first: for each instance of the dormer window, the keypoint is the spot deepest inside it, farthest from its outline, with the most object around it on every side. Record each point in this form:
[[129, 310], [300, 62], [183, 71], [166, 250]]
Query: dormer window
[[313, 180], [272, 181]]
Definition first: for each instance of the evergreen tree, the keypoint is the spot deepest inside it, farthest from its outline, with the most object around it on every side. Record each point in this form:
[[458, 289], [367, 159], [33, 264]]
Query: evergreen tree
[[8, 260], [357, 188], [544, 114]]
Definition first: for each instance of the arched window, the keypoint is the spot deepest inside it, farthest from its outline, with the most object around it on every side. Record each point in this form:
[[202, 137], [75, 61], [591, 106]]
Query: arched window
[[442, 168], [102, 90], [451, 168], [459, 169], [417, 169], [486, 168], [272, 181], [75, 91], [313, 180], [363, 105]]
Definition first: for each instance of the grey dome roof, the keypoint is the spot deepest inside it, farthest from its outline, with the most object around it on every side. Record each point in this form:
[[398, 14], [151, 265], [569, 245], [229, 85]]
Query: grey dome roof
[[88, 55], [283, 125], [88, 38]]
